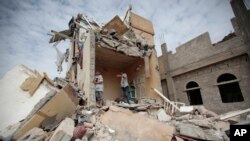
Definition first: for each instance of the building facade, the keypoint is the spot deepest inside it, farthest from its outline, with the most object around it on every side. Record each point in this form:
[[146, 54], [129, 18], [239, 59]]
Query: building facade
[[214, 75]]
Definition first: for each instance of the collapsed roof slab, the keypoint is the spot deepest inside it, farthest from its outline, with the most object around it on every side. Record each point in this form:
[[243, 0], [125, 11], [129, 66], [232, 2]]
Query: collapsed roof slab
[[112, 59], [117, 24]]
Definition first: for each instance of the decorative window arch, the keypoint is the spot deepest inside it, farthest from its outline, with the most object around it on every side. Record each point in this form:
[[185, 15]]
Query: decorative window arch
[[194, 93], [229, 88]]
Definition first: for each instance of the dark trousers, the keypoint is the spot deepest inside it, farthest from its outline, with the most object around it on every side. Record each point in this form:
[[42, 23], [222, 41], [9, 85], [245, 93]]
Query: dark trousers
[[125, 94]]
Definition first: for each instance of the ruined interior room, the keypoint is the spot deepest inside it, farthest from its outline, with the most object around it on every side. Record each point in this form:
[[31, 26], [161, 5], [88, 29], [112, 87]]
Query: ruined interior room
[[110, 63]]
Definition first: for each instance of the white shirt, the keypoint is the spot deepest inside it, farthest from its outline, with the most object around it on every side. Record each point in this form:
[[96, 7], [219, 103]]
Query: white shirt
[[124, 80], [98, 79]]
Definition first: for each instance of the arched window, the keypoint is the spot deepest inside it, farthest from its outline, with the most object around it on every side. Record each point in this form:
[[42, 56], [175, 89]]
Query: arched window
[[194, 93], [229, 88]]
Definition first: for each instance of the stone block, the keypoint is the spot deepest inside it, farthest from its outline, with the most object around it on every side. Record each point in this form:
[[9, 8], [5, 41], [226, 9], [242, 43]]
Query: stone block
[[64, 131]]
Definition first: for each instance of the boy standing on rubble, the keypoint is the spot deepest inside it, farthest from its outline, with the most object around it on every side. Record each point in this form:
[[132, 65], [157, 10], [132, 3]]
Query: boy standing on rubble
[[99, 88], [124, 86]]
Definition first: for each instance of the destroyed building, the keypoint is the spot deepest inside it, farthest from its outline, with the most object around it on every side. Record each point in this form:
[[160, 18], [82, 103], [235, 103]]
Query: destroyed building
[[214, 75], [119, 46], [34, 107]]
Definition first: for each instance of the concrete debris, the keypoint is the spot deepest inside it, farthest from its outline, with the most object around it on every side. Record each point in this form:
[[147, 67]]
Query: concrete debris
[[128, 130], [16, 104], [49, 124], [64, 132], [186, 109], [60, 82], [35, 134], [48, 121], [162, 116], [49, 108], [7, 133], [248, 117], [147, 101], [199, 133]]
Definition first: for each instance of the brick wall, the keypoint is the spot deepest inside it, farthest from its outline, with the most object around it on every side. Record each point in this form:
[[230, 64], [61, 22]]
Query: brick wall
[[207, 78]]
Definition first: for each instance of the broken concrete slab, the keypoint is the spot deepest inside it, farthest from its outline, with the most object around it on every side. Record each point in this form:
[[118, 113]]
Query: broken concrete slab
[[191, 131], [117, 24], [8, 132], [186, 109], [162, 116], [130, 51], [35, 134], [16, 104], [206, 123], [64, 132], [222, 125], [62, 104], [196, 132], [205, 111], [136, 126], [111, 43], [147, 101]]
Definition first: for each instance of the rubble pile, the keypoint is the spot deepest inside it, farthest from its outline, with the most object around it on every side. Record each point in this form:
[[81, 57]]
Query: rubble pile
[[126, 43], [62, 114], [115, 35]]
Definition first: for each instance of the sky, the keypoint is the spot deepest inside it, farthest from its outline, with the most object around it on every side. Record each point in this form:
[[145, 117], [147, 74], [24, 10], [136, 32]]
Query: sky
[[25, 24]]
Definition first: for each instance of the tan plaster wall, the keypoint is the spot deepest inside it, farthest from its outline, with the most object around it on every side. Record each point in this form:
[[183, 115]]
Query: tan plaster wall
[[112, 87]]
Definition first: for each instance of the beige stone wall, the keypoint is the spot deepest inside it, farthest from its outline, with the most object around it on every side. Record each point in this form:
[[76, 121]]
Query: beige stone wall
[[112, 87], [198, 49], [86, 75], [148, 37], [154, 81], [207, 78]]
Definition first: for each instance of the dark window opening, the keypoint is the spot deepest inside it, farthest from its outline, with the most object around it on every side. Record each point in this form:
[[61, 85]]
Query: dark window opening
[[192, 85], [229, 92], [226, 77], [194, 94]]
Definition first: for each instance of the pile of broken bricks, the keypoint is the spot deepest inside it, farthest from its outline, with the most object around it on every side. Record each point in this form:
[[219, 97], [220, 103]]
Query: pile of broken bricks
[[63, 115], [118, 122]]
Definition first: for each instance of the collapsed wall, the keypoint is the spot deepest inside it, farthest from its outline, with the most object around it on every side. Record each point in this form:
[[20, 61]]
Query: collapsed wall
[[16, 104]]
